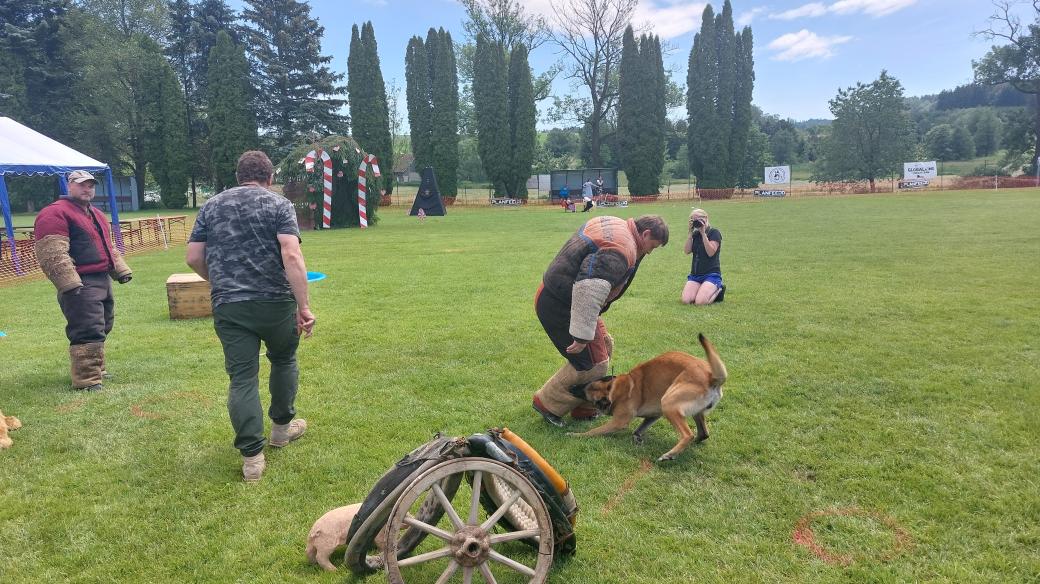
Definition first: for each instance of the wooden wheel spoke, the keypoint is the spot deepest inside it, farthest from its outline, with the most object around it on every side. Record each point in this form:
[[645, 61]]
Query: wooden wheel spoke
[[474, 504], [486, 572], [434, 555], [491, 521], [431, 529], [448, 508], [453, 566], [467, 575], [515, 565], [514, 535]]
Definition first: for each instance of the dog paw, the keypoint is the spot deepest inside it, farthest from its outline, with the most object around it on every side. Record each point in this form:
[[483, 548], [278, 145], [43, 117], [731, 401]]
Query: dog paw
[[666, 457], [638, 439], [13, 423], [574, 434]]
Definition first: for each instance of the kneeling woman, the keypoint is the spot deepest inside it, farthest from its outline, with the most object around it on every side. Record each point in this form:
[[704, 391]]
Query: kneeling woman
[[704, 283]]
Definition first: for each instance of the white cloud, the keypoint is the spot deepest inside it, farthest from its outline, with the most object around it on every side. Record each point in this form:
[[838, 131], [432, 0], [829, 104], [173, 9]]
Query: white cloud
[[873, 8], [804, 11], [745, 18], [676, 19], [804, 44]]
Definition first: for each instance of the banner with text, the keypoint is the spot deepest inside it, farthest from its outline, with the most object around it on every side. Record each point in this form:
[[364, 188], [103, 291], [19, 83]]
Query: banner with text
[[919, 170], [778, 175]]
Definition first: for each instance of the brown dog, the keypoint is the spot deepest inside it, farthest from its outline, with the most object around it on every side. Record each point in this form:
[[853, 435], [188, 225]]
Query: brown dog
[[7, 423], [674, 385]]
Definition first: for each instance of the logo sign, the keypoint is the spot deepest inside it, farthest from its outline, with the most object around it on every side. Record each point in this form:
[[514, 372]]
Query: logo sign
[[765, 193], [614, 204], [912, 170], [778, 175], [913, 184], [504, 201]]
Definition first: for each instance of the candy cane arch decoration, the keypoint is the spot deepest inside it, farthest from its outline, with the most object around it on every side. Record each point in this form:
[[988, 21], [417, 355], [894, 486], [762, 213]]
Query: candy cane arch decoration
[[362, 190], [326, 191]]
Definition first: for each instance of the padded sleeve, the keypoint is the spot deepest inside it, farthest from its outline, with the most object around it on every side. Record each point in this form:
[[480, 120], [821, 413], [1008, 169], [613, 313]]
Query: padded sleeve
[[52, 251], [587, 299]]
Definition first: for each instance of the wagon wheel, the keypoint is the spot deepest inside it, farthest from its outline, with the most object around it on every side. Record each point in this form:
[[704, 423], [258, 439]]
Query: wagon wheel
[[469, 541]]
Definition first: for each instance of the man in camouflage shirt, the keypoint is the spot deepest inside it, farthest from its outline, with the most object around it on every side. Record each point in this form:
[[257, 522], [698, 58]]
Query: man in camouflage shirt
[[247, 244]]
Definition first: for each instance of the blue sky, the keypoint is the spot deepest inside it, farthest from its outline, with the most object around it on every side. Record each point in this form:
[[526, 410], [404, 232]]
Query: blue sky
[[804, 50]]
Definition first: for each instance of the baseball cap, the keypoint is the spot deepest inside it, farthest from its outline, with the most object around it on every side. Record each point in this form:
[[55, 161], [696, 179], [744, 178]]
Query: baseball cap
[[81, 176]]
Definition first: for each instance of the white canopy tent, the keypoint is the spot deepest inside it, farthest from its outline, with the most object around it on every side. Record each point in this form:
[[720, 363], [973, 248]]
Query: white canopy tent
[[24, 151]]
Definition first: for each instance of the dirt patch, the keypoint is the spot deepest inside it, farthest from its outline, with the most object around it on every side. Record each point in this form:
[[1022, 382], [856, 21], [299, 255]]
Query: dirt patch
[[630, 482], [852, 517], [141, 408], [69, 407]]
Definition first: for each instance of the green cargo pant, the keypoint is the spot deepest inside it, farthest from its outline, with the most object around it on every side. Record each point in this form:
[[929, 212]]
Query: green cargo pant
[[241, 326]]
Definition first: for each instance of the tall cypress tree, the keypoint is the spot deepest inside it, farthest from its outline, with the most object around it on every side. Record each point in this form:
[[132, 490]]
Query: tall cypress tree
[[641, 113], [165, 127], [720, 80], [522, 119], [491, 101], [232, 122], [630, 102], [380, 142], [445, 94], [420, 104], [297, 93]]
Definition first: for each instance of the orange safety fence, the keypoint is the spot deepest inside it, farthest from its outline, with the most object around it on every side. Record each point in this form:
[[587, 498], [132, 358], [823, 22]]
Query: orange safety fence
[[138, 235]]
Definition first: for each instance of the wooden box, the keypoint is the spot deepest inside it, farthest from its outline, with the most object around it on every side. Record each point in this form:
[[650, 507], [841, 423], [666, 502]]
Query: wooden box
[[188, 296]]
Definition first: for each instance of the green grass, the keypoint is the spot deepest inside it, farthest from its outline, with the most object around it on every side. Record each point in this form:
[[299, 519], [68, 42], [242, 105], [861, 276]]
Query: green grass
[[883, 354]]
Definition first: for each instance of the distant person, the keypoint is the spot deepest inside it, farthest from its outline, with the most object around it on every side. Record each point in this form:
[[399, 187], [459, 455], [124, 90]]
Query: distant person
[[565, 199], [75, 250], [704, 284], [586, 195], [592, 270], [599, 185], [247, 244]]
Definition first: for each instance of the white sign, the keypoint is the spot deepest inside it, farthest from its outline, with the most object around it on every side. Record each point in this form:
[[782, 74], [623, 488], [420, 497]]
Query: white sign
[[778, 175], [919, 170]]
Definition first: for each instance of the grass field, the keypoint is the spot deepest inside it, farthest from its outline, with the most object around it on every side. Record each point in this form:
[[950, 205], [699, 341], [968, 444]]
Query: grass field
[[883, 356]]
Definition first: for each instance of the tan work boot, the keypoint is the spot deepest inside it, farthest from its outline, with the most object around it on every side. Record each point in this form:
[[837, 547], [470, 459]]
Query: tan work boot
[[282, 434], [253, 467], [87, 365]]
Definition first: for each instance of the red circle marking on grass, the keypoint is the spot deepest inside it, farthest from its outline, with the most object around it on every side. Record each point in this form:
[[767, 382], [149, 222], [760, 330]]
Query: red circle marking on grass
[[644, 467], [803, 534]]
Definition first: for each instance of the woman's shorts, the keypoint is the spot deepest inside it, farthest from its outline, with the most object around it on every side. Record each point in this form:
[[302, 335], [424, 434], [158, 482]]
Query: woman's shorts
[[714, 278]]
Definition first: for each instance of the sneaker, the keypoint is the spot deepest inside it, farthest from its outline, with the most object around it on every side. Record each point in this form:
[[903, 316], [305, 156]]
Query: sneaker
[[253, 467], [282, 434], [549, 416], [95, 387]]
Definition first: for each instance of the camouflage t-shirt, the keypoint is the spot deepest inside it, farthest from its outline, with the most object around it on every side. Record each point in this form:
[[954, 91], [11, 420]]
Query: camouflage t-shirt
[[240, 228]]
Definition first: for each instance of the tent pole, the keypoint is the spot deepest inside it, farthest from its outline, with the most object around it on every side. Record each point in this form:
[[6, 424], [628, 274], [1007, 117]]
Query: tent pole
[[116, 231], [6, 204], [63, 184]]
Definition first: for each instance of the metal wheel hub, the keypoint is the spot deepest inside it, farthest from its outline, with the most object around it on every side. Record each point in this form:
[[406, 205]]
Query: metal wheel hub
[[471, 545]]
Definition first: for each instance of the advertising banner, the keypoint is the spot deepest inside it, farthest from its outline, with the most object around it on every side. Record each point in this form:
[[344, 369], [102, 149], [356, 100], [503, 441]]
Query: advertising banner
[[778, 175], [913, 170], [765, 193]]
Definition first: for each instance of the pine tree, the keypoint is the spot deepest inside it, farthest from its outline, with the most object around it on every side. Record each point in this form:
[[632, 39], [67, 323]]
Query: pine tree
[[297, 93], [232, 123], [720, 81], [165, 126], [522, 120], [642, 117], [419, 102], [491, 101]]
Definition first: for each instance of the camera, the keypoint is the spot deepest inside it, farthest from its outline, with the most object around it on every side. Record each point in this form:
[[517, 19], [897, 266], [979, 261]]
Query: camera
[[697, 223]]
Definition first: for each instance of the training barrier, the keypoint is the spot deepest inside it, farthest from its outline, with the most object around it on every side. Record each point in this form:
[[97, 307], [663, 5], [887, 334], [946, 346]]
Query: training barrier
[[138, 235]]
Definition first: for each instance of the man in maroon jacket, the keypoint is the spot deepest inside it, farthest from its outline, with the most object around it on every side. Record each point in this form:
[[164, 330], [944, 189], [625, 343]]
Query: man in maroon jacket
[[74, 247]]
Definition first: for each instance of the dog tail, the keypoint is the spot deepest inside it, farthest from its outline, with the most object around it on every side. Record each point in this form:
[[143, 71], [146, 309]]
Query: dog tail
[[718, 368]]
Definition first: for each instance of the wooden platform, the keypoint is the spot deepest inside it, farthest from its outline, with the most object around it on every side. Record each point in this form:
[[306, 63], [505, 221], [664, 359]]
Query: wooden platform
[[188, 296]]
